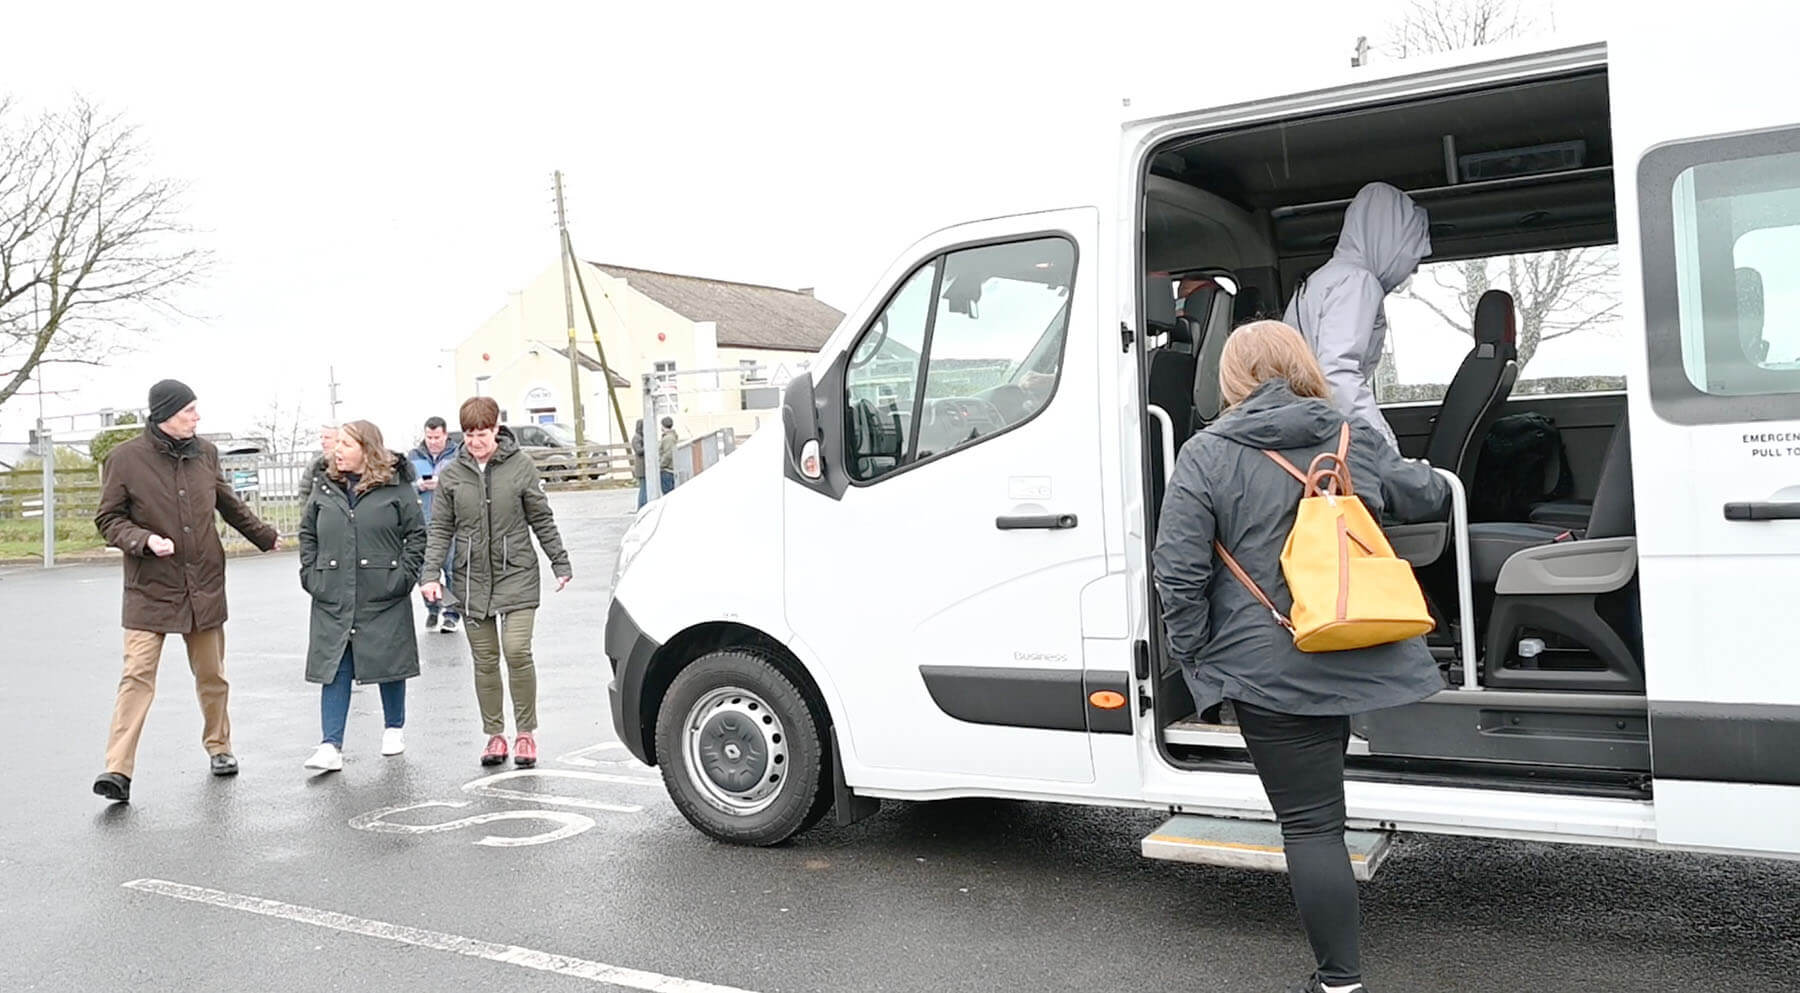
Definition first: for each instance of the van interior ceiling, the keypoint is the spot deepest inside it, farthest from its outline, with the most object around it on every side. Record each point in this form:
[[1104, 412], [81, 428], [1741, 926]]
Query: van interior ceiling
[[1504, 170]]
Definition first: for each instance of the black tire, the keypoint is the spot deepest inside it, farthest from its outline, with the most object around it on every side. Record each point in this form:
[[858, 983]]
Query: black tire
[[747, 702]]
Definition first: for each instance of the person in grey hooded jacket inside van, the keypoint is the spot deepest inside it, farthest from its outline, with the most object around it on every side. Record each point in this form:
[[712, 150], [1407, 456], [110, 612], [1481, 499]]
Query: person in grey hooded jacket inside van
[[1293, 707], [1339, 308]]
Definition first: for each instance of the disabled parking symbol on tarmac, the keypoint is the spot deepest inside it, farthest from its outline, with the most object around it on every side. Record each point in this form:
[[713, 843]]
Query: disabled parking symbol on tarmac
[[568, 824]]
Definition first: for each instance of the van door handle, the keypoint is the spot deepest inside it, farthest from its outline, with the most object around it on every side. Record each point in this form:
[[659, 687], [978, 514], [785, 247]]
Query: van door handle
[[1762, 510], [1036, 522]]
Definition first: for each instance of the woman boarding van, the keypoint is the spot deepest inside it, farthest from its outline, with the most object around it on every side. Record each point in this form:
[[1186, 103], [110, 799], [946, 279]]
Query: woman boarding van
[[934, 580]]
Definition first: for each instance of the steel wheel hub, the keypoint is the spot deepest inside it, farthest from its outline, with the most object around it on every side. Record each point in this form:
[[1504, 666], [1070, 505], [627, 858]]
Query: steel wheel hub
[[736, 750]]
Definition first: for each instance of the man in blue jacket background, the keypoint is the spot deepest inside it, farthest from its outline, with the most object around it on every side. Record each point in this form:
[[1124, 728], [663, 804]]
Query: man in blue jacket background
[[434, 453]]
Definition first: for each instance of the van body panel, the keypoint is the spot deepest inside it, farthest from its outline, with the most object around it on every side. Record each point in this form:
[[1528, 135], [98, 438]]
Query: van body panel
[[1717, 594]]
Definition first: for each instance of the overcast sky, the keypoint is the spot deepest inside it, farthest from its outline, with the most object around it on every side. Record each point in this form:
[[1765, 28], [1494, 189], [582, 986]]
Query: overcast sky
[[374, 178]]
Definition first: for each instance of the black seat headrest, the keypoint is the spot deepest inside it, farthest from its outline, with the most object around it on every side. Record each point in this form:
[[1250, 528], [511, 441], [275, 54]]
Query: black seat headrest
[[1496, 326], [1159, 304], [1246, 306]]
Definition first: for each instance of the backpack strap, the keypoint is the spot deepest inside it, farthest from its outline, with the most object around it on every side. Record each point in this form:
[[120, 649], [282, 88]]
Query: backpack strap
[[1292, 470], [1332, 468], [1250, 584]]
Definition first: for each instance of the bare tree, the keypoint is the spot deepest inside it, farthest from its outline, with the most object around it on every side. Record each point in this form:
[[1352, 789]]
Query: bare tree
[[91, 245], [1449, 25], [1556, 293], [287, 426]]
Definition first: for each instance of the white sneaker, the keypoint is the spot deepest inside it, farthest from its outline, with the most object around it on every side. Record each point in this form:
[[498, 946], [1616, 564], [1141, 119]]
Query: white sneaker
[[326, 759], [393, 741]]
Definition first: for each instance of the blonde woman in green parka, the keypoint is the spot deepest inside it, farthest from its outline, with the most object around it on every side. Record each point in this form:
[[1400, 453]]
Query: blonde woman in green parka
[[491, 502]]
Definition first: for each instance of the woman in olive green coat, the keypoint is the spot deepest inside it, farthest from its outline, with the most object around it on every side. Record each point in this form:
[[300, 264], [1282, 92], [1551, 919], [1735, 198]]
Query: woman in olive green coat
[[362, 540], [491, 502]]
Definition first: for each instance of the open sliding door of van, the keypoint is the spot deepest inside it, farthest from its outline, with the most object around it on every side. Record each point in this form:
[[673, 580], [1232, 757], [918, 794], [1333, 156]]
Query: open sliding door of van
[[1707, 137]]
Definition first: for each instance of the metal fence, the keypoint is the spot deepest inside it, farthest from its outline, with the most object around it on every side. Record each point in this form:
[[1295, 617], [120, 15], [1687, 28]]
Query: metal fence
[[43, 519]]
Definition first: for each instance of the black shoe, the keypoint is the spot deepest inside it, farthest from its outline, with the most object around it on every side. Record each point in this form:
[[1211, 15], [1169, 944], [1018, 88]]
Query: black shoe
[[224, 764], [115, 786]]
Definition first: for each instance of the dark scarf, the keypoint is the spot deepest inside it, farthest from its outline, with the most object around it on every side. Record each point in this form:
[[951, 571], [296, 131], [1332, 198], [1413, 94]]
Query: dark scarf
[[182, 448]]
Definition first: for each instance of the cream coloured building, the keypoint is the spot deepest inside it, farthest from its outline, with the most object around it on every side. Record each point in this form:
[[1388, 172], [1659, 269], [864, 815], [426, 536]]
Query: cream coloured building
[[646, 321]]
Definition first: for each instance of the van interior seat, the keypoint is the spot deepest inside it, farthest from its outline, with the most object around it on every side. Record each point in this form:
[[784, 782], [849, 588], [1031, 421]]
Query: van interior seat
[[1479, 389], [1171, 374], [1492, 545], [1208, 399], [1554, 587]]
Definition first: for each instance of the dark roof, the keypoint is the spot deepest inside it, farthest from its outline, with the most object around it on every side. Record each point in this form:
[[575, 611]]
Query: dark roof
[[587, 361], [748, 316]]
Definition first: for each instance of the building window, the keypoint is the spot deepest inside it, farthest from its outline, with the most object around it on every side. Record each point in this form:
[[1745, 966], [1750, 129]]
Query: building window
[[668, 393]]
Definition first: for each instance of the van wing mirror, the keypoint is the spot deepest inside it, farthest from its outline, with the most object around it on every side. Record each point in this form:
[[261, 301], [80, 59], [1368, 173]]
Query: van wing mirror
[[812, 434]]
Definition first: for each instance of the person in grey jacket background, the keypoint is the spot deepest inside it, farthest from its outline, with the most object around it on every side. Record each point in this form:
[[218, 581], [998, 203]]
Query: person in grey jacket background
[[1293, 707], [1340, 308]]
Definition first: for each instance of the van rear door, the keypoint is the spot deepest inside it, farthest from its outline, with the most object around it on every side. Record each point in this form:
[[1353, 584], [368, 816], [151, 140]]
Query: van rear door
[[1708, 156]]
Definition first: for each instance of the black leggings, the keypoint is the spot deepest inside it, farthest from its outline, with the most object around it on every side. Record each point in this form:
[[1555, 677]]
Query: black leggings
[[1301, 763]]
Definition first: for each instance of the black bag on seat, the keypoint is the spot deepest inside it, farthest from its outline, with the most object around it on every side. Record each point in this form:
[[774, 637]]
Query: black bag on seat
[[1522, 464]]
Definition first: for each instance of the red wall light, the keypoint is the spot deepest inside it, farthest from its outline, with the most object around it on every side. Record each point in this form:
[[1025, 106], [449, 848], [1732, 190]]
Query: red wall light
[[661, 336]]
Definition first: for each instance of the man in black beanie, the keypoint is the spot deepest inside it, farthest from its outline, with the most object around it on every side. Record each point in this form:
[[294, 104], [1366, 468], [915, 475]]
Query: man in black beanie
[[159, 492]]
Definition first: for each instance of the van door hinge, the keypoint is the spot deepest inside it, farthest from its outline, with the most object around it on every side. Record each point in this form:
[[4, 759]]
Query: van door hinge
[[1126, 336]]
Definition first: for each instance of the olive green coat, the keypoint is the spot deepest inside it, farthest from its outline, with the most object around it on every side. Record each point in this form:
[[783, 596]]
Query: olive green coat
[[359, 565], [492, 517]]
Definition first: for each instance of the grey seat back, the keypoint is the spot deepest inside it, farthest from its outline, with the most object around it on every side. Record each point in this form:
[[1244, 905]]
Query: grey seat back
[[1615, 507], [1481, 385]]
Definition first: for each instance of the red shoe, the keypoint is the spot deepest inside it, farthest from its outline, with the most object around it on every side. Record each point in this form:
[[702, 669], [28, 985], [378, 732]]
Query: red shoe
[[496, 750], [524, 750]]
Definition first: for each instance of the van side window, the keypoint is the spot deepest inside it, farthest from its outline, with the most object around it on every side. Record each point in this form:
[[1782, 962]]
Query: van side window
[[1566, 303], [882, 376], [1722, 277], [970, 346]]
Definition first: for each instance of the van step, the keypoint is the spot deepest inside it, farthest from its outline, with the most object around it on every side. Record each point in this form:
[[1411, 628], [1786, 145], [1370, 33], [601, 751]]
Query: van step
[[1244, 844], [1196, 734]]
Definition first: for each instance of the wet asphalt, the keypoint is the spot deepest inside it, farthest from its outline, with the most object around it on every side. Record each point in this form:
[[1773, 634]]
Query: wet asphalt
[[961, 895]]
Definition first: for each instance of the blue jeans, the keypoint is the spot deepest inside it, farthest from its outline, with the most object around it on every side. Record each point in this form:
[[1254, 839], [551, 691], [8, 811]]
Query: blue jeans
[[334, 702], [668, 485]]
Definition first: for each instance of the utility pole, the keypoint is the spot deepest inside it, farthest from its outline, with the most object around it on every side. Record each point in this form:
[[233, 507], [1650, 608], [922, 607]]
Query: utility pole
[[568, 262], [332, 372], [47, 445]]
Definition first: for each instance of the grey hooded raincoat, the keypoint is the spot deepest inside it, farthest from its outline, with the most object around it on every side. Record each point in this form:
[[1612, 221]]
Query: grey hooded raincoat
[[1339, 308], [1225, 489]]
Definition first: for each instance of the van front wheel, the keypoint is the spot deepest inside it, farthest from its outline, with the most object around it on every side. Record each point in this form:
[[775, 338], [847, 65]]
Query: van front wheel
[[739, 750]]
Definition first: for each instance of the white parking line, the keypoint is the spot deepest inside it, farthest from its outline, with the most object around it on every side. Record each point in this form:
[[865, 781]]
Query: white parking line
[[528, 958]]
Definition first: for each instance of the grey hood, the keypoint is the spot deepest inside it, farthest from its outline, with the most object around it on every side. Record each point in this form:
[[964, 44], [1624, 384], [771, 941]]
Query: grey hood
[[1386, 233]]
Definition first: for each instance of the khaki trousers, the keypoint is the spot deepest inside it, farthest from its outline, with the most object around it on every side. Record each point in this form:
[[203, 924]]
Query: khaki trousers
[[143, 652], [488, 638]]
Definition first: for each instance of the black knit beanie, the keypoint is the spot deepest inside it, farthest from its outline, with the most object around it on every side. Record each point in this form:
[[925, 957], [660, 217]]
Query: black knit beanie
[[167, 399]]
